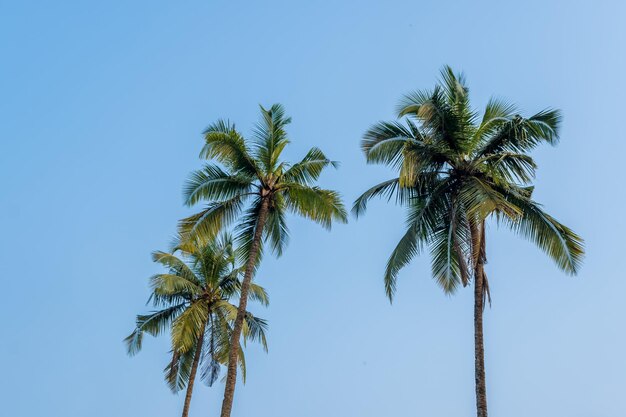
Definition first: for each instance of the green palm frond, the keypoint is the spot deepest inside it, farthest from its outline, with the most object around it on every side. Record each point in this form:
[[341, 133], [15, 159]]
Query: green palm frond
[[309, 168], [226, 145], [558, 241], [386, 189], [189, 325], [153, 324], [511, 167], [424, 219], [270, 136], [245, 230], [254, 329], [276, 226], [521, 135], [178, 370], [321, 206], [170, 284], [448, 259], [210, 221], [176, 265], [213, 183], [258, 293], [497, 112]]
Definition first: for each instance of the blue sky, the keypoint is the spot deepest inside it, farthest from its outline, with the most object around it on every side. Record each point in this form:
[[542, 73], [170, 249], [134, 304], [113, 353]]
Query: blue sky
[[102, 105]]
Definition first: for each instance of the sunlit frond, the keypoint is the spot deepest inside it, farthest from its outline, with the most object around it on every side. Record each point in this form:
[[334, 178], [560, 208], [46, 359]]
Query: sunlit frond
[[321, 206], [213, 183], [309, 168], [224, 144], [270, 136]]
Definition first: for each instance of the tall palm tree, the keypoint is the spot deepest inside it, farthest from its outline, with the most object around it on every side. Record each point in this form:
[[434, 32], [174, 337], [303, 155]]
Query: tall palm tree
[[193, 302], [254, 188], [456, 171]]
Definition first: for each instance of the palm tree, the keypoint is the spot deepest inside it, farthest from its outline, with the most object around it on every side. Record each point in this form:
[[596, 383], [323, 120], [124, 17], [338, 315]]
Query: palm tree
[[456, 171], [193, 302], [254, 188]]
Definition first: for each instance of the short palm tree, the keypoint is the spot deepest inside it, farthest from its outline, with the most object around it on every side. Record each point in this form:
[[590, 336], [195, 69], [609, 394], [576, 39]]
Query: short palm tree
[[254, 188], [193, 301], [456, 171]]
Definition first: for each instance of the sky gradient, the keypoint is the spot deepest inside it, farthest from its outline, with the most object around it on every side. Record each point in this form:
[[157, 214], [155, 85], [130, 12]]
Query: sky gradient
[[102, 105]]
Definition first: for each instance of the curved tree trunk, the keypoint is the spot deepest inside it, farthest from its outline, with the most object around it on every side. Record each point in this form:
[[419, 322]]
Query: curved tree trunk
[[192, 375], [231, 377], [479, 305]]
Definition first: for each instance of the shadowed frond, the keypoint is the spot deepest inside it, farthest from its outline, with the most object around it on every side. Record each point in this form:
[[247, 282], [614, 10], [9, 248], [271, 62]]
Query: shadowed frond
[[559, 242], [153, 324], [178, 370]]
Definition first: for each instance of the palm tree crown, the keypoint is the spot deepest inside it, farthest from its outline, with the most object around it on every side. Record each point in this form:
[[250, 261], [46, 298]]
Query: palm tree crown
[[193, 301], [456, 169], [252, 172]]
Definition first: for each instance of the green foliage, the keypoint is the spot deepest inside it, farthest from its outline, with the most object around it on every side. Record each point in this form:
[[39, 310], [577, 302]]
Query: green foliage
[[456, 170], [251, 172], [193, 297]]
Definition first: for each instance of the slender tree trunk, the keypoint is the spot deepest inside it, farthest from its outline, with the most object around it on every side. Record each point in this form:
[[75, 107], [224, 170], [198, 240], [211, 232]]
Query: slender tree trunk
[[192, 375], [231, 377], [479, 301]]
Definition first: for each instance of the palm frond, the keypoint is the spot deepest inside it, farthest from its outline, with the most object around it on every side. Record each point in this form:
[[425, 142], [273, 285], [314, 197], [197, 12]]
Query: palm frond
[[225, 144], [558, 241], [277, 232], [177, 372], [321, 206], [189, 325], [213, 183], [210, 221], [154, 324], [309, 168], [176, 265], [270, 136]]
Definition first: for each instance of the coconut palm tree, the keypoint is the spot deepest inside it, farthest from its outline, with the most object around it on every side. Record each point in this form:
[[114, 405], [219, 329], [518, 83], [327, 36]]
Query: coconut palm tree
[[253, 188], [458, 170], [193, 304]]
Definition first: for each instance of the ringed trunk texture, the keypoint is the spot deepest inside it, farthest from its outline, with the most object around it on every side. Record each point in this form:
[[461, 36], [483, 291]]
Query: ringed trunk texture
[[192, 375], [479, 305], [231, 376]]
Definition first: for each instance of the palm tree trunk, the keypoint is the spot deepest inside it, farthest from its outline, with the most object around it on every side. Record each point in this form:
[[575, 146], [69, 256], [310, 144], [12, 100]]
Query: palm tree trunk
[[479, 301], [192, 375], [231, 377]]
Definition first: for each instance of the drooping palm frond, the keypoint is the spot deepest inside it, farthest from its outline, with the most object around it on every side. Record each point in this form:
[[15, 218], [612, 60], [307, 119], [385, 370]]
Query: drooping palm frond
[[178, 370], [558, 241], [425, 217], [277, 231], [387, 189], [153, 324], [321, 206]]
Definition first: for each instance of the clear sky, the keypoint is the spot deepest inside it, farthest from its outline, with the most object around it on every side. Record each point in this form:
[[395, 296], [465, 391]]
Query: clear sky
[[102, 105]]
